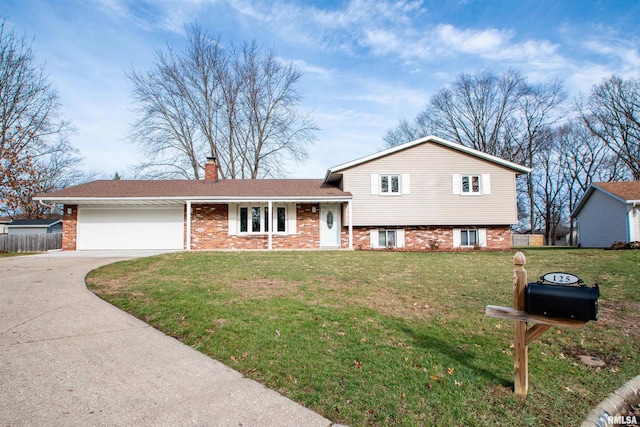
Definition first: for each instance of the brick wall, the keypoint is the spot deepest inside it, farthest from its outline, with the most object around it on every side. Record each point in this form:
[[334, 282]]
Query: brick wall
[[422, 238], [69, 228], [210, 230]]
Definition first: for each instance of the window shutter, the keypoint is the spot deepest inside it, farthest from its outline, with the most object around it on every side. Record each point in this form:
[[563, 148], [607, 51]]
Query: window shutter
[[482, 237], [456, 238], [400, 238], [232, 216], [375, 183], [291, 218], [406, 184], [373, 234], [457, 183], [486, 183]]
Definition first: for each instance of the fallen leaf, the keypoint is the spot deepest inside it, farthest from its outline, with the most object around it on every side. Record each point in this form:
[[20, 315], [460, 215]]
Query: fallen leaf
[[434, 378], [458, 383], [451, 371], [277, 332], [358, 364], [342, 333]]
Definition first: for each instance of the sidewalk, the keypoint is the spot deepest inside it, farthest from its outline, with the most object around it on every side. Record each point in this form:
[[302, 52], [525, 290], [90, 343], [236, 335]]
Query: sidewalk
[[69, 358]]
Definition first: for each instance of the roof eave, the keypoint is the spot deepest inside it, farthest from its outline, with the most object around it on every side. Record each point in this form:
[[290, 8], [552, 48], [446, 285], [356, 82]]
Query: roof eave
[[192, 199]]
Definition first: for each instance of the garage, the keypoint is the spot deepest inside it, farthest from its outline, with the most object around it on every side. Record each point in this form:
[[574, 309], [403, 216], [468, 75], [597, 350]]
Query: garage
[[100, 228]]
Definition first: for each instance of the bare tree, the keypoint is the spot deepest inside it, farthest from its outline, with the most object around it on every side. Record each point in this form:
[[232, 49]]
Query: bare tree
[[585, 159], [499, 114], [35, 155], [237, 104], [550, 188], [612, 113], [538, 107]]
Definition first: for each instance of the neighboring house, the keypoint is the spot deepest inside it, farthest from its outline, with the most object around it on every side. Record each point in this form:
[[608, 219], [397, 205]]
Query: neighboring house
[[425, 194], [607, 213], [4, 221], [35, 226]]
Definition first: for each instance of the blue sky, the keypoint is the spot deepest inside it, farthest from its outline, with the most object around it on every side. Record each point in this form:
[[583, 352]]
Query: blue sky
[[366, 63]]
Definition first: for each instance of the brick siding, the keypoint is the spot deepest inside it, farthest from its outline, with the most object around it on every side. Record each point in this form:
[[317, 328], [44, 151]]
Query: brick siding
[[210, 230], [69, 228], [420, 238]]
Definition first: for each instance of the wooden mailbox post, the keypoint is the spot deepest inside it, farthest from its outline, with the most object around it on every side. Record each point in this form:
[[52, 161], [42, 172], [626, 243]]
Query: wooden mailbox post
[[523, 336]]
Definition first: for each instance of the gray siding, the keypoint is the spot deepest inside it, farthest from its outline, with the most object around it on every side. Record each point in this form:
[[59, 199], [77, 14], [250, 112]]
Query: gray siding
[[431, 200], [602, 221]]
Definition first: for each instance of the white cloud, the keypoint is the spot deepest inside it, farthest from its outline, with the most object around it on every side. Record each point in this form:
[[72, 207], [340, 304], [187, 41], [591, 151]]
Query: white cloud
[[472, 41]]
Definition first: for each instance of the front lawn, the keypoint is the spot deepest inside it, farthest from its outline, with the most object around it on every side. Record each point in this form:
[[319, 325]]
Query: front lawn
[[389, 338]]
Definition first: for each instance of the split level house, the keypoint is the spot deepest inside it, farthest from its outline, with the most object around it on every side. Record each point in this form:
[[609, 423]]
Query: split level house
[[426, 194]]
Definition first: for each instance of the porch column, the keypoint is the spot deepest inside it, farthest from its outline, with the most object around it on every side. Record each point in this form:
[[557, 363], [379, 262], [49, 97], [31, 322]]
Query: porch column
[[270, 219], [188, 237], [349, 206]]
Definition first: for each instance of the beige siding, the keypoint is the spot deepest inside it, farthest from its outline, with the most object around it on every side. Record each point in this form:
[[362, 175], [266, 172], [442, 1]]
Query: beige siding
[[431, 200]]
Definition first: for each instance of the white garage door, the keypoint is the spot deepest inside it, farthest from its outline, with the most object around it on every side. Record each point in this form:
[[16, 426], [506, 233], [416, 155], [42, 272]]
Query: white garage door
[[130, 228]]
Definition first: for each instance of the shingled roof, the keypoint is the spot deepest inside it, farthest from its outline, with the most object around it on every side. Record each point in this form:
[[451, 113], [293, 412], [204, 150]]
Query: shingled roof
[[227, 189], [626, 190]]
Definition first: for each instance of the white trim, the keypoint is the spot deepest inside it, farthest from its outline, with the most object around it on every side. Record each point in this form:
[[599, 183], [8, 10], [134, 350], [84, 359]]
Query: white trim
[[373, 238], [350, 215], [177, 200], [456, 182], [405, 182], [482, 237], [270, 222], [457, 241], [485, 185], [291, 218], [188, 237], [375, 184]]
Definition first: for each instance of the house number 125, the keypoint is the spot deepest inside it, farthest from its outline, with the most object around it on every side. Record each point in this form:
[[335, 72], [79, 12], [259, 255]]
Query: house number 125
[[561, 278]]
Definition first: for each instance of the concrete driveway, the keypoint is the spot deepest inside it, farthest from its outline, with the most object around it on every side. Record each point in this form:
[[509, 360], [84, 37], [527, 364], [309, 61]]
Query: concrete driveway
[[69, 358]]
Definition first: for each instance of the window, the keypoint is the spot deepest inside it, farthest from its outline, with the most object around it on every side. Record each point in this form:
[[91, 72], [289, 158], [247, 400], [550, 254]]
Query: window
[[470, 184], [255, 219], [281, 219], [386, 238], [468, 237], [389, 184]]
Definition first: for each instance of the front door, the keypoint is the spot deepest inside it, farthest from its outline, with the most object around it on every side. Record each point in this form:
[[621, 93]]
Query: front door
[[330, 225]]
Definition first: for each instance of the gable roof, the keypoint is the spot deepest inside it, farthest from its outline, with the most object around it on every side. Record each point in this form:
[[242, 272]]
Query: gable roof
[[332, 172], [179, 191], [623, 191]]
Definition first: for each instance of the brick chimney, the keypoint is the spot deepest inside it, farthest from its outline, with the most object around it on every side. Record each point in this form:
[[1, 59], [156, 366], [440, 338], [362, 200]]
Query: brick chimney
[[211, 169]]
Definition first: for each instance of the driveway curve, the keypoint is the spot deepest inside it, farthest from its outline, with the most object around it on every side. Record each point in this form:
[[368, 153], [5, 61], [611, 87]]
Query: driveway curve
[[69, 358]]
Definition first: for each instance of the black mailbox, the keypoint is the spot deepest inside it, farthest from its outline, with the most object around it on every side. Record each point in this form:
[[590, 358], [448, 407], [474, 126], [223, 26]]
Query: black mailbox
[[560, 300]]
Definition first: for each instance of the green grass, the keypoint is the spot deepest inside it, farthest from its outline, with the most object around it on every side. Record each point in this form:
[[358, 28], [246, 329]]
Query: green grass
[[389, 338], [12, 254]]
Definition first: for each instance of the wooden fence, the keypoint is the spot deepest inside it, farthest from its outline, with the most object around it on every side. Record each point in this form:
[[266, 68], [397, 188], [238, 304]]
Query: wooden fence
[[527, 240], [30, 242]]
